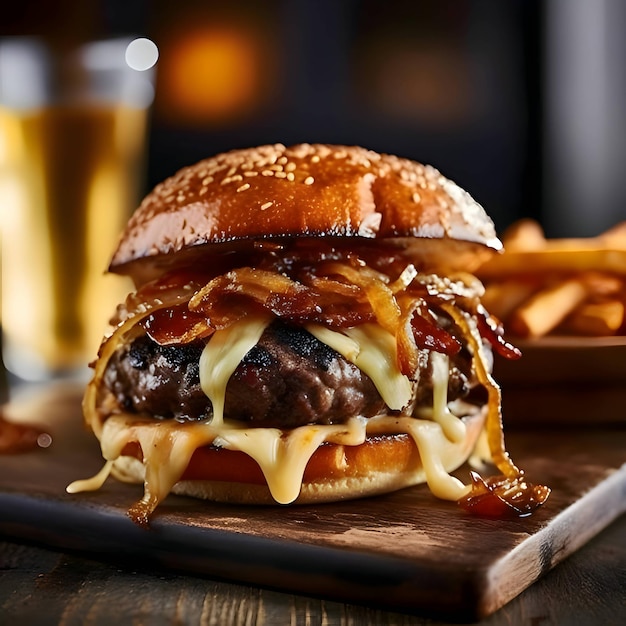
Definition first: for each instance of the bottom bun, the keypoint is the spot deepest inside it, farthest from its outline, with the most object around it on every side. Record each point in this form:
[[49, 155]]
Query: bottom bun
[[382, 464]]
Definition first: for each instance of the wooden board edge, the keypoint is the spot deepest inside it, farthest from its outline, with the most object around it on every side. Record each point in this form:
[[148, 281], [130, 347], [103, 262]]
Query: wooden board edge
[[562, 536]]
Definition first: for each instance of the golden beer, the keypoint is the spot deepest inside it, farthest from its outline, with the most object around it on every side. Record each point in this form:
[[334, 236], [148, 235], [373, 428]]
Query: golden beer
[[69, 177]]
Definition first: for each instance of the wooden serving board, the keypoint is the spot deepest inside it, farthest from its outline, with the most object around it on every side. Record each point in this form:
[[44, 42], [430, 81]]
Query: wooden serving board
[[405, 551]]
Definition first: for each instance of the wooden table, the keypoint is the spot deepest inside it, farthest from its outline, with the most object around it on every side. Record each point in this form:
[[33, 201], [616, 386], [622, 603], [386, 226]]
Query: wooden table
[[42, 586]]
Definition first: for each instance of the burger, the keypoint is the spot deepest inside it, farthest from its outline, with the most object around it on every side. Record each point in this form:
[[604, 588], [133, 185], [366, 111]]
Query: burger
[[305, 327]]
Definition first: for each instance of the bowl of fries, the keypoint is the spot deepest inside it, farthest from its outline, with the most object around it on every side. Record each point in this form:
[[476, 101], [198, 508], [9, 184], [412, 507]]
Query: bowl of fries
[[563, 303]]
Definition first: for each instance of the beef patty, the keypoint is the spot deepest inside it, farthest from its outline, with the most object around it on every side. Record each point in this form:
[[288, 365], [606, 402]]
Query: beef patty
[[288, 379]]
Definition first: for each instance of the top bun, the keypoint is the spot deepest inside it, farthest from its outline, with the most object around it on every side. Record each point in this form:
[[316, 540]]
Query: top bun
[[305, 190]]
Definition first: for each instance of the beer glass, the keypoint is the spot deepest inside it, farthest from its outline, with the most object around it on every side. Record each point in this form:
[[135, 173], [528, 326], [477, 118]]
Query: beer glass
[[72, 151]]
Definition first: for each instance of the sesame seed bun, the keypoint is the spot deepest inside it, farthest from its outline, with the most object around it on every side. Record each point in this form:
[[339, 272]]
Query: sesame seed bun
[[274, 192]]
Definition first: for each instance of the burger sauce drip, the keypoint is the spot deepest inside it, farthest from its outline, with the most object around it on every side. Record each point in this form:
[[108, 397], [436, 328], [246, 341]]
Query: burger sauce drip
[[16, 438]]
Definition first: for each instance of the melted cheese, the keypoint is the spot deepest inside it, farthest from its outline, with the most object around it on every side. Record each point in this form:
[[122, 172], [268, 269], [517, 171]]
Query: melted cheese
[[438, 454], [374, 351], [283, 458], [168, 446], [452, 427], [440, 439], [222, 355], [91, 484]]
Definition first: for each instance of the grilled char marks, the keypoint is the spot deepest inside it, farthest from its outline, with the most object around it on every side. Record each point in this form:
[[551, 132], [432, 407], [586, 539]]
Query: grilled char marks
[[160, 380], [288, 379]]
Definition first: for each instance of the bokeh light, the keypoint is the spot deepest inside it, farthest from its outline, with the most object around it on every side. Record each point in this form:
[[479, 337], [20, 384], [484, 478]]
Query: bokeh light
[[142, 54], [211, 74]]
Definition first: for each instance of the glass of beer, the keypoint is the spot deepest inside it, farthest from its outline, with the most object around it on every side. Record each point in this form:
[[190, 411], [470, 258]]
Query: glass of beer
[[72, 158]]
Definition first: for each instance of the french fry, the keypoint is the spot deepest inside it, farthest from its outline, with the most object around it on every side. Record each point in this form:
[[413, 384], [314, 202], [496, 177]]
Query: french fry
[[596, 319], [572, 285], [546, 309], [502, 298], [525, 234], [615, 237], [528, 235], [551, 261], [600, 285]]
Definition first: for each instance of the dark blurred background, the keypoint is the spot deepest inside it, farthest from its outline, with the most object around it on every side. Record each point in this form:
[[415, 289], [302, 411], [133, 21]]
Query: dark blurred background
[[521, 102]]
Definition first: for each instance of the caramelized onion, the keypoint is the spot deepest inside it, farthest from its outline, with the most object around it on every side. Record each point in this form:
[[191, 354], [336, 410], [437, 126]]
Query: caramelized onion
[[172, 288], [418, 330], [374, 286], [499, 496], [492, 330], [495, 432], [233, 295], [430, 336], [176, 325], [408, 353]]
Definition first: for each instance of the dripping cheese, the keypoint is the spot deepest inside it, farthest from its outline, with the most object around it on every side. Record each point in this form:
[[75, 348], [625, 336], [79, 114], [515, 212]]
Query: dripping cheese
[[374, 351], [222, 355]]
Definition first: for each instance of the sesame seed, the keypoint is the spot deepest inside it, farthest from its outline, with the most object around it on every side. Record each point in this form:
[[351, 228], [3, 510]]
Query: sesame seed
[[237, 178], [290, 167], [280, 175], [208, 180], [309, 180], [250, 174], [323, 151], [267, 205], [267, 173], [244, 187], [416, 198], [291, 177], [315, 158]]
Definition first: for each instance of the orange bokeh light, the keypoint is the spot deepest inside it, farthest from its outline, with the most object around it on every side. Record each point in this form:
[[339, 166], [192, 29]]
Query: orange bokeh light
[[211, 74]]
